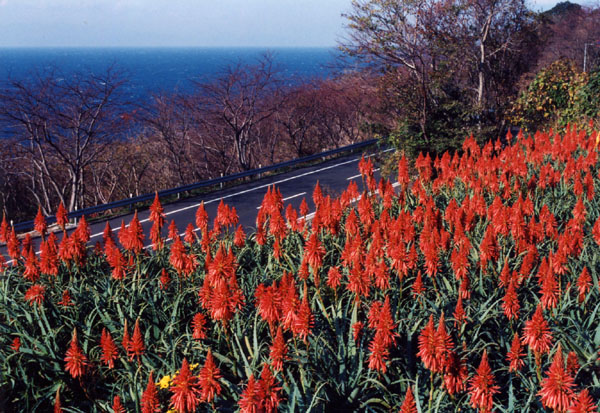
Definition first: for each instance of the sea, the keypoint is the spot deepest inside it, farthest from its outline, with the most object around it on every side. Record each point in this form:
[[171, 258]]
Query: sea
[[151, 71]]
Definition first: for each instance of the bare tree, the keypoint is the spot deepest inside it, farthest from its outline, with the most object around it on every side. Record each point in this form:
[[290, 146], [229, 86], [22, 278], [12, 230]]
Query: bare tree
[[171, 123], [235, 103], [64, 125], [438, 49]]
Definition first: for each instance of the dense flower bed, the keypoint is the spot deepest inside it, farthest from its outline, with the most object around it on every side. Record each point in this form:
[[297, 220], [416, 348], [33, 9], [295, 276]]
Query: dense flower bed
[[473, 286]]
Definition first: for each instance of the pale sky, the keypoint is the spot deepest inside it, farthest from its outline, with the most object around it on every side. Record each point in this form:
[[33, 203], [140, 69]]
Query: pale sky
[[97, 23]]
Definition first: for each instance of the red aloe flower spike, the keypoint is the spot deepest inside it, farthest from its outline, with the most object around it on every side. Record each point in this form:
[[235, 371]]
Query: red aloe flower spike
[[249, 401], [62, 218], [536, 333], [239, 239], [433, 347], [117, 405], [557, 388], [385, 324], [12, 245], [334, 277], [584, 282], [304, 318], [82, 232], [202, 218], [75, 360], [444, 340], [16, 344], [27, 245], [268, 302], [35, 294], [403, 176], [455, 373], [178, 254], [278, 351], [379, 353], [459, 313], [596, 231], [409, 405], [57, 406], [173, 231], [164, 279], [39, 223], [185, 389], [4, 229], [209, 379], [510, 302], [32, 269], [136, 347], [303, 208], [66, 299], [126, 341], [572, 363], [199, 327], [482, 386], [150, 402], [155, 237], [317, 195], [418, 288], [157, 213], [189, 236], [49, 256], [583, 403], [314, 252], [135, 235], [268, 391], [109, 349], [516, 354], [357, 330]]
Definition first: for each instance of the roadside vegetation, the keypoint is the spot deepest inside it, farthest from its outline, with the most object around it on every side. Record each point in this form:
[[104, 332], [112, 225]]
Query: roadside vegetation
[[472, 288]]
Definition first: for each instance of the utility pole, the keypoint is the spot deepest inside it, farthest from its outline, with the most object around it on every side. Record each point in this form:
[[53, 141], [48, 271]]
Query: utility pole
[[585, 54]]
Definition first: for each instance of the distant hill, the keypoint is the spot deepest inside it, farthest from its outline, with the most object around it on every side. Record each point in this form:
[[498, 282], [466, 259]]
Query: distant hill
[[562, 9]]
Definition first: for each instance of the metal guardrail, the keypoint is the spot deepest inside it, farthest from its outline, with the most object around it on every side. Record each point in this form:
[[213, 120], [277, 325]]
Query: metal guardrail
[[28, 225]]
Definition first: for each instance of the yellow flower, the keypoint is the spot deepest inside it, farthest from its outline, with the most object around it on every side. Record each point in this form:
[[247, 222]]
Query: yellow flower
[[165, 382]]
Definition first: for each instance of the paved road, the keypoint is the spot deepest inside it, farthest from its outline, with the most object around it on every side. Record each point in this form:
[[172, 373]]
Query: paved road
[[332, 175]]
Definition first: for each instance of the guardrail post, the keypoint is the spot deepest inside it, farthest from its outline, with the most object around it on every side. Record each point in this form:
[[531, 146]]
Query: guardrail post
[[130, 205], [221, 184], [259, 174]]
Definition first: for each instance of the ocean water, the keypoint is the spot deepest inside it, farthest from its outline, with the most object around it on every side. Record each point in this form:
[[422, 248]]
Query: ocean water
[[150, 71]]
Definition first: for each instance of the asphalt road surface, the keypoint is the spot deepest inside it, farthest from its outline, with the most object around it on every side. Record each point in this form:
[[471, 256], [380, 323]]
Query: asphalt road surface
[[333, 177]]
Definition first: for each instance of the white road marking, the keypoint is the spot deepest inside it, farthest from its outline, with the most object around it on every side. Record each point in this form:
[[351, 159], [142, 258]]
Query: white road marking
[[309, 216], [289, 197], [244, 192], [359, 175]]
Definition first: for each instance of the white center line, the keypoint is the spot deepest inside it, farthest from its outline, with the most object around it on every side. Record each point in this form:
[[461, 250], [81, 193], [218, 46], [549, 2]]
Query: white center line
[[238, 193], [359, 175], [289, 197], [243, 192]]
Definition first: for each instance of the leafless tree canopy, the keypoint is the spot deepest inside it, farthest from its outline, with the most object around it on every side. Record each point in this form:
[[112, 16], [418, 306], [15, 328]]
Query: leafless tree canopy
[[75, 140], [63, 128]]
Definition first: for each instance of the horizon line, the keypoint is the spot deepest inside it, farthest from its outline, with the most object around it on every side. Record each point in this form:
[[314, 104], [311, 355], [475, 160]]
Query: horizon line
[[169, 47]]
